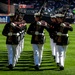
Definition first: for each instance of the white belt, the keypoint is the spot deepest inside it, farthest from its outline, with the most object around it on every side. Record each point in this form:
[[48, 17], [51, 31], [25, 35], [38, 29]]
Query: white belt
[[16, 34], [61, 34], [22, 32], [64, 34], [41, 34]]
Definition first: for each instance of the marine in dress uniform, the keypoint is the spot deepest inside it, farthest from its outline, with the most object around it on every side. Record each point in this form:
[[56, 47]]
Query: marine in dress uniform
[[22, 33], [62, 40], [11, 31], [52, 30], [36, 29]]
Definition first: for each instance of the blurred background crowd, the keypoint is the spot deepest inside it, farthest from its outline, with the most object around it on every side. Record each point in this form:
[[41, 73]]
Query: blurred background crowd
[[29, 7]]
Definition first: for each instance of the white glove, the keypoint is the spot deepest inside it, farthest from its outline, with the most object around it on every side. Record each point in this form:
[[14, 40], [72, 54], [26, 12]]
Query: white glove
[[63, 25], [10, 34], [38, 23], [36, 33], [13, 24], [59, 33], [43, 23]]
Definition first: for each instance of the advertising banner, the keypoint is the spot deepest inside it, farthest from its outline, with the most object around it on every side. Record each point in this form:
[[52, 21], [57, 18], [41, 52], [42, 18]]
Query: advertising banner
[[4, 19]]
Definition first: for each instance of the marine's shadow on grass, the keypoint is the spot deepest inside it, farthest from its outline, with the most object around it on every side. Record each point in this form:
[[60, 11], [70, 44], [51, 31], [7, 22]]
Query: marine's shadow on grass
[[26, 62]]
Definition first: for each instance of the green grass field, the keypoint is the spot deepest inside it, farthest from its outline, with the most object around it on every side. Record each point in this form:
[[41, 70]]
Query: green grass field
[[48, 66]]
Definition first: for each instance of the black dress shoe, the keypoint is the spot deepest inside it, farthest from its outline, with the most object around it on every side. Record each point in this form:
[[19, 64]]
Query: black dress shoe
[[37, 67], [58, 64], [54, 57], [61, 68], [10, 66]]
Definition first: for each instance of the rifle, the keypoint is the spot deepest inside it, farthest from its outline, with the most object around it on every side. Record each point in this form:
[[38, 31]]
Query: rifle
[[41, 11]]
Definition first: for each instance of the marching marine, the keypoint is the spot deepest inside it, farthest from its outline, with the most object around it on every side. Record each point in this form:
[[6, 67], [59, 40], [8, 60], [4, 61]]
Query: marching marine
[[36, 29], [22, 33], [52, 33], [62, 40], [11, 31]]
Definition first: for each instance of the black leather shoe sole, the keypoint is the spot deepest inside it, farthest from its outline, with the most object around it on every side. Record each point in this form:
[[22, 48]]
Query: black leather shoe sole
[[61, 68], [10, 66], [36, 67]]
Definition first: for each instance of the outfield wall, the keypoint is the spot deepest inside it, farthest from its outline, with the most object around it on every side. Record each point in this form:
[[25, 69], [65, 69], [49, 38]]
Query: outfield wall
[[29, 19]]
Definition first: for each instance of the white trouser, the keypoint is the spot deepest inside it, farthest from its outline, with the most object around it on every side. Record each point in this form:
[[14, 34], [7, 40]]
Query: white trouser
[[53, 47], [22, 44], [20, 48], [12, 54], [60, 54], [38, 52], [18, 52]]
